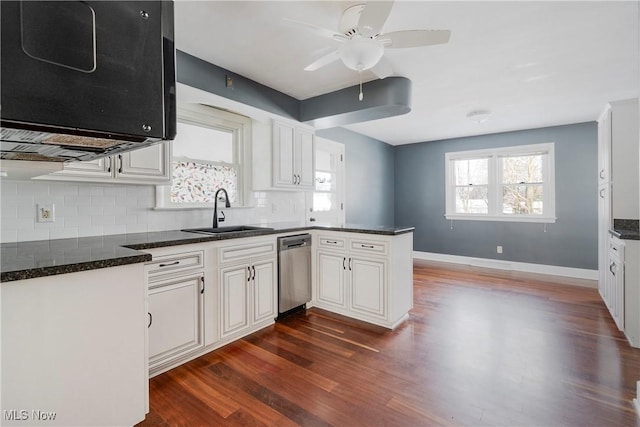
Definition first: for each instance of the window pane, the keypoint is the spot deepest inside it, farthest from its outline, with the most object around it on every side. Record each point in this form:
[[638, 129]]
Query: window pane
[[472, 200], [522, 169], [323, 201], [203, 143], [522, 199], [197, 183], [471, 171], [324, 181]]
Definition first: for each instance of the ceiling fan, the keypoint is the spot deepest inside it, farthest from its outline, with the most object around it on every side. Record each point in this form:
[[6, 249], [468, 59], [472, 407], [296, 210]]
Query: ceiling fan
[[362, 43]]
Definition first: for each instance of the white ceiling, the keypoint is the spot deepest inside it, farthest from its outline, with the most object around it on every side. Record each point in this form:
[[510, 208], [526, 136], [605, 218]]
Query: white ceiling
[[532, 64]]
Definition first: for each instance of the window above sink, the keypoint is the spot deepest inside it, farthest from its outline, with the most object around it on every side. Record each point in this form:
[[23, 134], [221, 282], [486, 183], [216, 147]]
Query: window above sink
[[209, 152]]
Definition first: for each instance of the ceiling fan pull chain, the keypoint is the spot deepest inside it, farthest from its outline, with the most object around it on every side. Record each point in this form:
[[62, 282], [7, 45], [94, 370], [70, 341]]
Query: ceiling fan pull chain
[[360, 96]]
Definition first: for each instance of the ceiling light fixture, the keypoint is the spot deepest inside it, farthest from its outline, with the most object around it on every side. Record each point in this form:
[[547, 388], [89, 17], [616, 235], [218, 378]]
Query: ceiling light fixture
[[361, 53], [479, 116]]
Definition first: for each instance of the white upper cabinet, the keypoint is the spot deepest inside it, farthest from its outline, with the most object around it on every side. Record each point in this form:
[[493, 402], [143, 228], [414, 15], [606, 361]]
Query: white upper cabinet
[[283, 156], [625, 202], [149, 165]]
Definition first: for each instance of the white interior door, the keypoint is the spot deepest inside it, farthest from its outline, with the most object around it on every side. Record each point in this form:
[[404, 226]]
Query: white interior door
[[325, 205]]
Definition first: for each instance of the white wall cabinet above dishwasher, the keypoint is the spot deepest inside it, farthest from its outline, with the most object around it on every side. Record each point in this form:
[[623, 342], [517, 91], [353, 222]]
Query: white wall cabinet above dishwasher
[[283, 156], [149, 165]]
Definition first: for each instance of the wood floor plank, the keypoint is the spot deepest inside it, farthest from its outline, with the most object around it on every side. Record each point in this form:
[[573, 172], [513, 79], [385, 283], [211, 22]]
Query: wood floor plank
[[480, 348]]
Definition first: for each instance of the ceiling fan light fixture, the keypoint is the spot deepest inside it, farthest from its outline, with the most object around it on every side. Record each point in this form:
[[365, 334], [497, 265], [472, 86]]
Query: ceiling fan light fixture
[[361, 53]]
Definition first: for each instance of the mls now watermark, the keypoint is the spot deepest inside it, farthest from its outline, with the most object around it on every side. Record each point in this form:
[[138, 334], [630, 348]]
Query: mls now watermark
[[28, 415]]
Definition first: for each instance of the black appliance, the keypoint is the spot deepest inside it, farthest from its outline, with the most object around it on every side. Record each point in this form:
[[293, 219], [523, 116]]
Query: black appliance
[[85, 79]]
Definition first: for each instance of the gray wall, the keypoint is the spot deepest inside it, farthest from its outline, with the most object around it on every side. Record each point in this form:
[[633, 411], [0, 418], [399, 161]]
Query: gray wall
[[369, 164], [570, 242]]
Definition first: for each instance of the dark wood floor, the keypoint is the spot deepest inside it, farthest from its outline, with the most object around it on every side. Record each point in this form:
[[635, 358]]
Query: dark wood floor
[[480, 349]]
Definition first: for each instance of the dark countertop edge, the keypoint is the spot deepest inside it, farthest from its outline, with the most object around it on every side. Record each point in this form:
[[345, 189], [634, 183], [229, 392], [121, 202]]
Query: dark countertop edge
[[204, 238], [33, 273], [625, 234]]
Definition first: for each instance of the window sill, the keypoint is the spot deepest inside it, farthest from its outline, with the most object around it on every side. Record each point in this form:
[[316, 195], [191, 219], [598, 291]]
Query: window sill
[[536, 219]]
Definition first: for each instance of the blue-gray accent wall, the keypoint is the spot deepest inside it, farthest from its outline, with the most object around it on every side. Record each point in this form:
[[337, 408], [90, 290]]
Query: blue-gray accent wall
[[572, 241], [369, 165]]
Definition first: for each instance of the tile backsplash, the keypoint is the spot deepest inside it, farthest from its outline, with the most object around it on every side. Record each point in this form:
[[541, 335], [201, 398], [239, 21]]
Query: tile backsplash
[[86, 209]]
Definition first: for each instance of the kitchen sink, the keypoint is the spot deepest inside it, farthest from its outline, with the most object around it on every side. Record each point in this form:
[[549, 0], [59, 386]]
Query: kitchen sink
[[222, 230]]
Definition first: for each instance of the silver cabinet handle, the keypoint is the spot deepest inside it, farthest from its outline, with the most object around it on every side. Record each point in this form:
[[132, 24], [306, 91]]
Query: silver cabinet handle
[[611, 267], [150, 320], [344, 260], [333, 242], [602, 174], [249, 270], [350, 268], [602, 193], [253, 267], [120, 161], [202, 280], [367, 246], [109, 167]]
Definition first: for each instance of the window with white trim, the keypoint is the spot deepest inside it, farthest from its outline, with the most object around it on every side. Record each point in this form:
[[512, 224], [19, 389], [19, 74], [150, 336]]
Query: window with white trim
[[501, 184], [207, 154]]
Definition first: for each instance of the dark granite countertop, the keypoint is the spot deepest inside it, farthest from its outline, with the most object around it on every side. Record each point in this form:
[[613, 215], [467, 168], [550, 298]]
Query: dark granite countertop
[[626, 229], [26, 260]]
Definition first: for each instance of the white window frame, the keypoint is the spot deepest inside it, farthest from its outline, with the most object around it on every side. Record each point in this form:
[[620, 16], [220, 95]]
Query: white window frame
[[206, 116], [495, 183]]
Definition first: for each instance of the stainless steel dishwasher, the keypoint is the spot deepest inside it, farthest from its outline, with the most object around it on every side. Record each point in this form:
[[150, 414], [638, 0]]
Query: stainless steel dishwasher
[[294, 273]]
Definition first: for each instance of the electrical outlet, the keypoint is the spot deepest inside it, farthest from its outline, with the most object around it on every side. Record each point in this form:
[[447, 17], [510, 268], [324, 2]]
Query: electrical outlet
[[499, 249], [46, 212]]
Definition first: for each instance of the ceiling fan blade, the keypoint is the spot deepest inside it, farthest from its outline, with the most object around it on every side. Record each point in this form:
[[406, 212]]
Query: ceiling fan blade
[[320, 31], [382, 69], [415, 38], [373, 17], [323, 60]]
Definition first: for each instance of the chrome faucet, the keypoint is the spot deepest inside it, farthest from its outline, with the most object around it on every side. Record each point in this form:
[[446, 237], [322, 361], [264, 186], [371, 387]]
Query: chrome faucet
[[215, 205]]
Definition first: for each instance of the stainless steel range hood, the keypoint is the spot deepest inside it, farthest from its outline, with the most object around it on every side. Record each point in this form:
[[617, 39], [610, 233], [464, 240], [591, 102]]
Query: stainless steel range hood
[[85, 79]]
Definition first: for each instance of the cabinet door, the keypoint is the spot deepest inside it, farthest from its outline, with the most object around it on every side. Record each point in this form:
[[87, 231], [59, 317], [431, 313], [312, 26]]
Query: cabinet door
[[331, 278], [146, 165], [91, 170], [264, 290], [304, 152], [234, 282], [174, 317], [604, 146], [368, 286], [283, 155], [604, 224]]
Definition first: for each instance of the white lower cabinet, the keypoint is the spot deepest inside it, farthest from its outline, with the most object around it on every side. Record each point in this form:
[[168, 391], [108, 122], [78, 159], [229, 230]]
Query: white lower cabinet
[[248, 286], [331, 279], [372, 280], [179, 304], [175, 317], [368, 286]]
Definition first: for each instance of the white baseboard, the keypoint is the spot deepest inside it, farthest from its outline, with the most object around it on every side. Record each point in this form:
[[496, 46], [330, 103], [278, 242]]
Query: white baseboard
[[553, 270]]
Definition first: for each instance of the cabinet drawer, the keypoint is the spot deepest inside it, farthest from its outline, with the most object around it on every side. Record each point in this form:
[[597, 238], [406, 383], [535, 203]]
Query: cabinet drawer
[[369, 246], [246, 251], [175, 263], [331, 242]]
